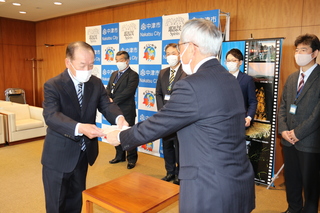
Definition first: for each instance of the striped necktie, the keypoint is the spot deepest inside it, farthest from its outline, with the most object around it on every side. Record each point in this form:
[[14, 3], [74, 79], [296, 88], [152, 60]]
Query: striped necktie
[[171, 80], [80, 98], [301, 83], [79, 93]]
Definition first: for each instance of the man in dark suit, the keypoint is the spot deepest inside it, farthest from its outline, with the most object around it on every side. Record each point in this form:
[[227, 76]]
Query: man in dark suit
[[166, 80], [234, 59], [206, 110], [121, 89], [299, 125], [71, 100]]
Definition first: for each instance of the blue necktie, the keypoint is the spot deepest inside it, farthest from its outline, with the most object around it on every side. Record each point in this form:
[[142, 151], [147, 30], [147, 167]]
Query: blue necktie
[[117, 77], [80, 98]]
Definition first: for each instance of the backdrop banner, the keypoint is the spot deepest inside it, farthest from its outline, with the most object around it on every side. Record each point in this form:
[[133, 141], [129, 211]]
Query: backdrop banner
[[144, 40], [261, 61]]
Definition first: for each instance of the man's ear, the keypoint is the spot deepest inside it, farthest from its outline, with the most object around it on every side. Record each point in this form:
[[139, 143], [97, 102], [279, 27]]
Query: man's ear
[[67, 62], [315, 54]]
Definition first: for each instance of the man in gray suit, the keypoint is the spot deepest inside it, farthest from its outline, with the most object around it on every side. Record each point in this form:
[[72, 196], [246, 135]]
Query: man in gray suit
[[299, 125], [71, 100], [206, 110]]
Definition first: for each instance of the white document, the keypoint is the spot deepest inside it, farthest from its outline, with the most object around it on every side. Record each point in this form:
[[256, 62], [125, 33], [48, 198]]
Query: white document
[[107, 129]]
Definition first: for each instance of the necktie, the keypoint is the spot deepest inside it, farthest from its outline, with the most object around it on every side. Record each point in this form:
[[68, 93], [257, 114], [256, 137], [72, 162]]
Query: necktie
[[301, 83], [117, 77], [171, 80], [80, 98], [79, 93]]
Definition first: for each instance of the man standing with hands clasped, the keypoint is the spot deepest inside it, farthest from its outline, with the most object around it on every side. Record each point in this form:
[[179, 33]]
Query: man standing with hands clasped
[[299, 125], [166, 80], [71, 100], [121, 89], [206, 110]]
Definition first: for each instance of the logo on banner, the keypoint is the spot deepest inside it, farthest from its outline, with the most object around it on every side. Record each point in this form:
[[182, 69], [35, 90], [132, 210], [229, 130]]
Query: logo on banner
[[150, 52], [128, 30], [109, 54], [109, 31], [147, 147], [148, 99], [174, 25], [93, 34]]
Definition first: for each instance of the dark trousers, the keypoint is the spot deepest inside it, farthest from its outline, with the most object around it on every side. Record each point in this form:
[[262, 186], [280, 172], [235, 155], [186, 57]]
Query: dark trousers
[[132, 155], [170, 146], [63, 191], [301, 173]]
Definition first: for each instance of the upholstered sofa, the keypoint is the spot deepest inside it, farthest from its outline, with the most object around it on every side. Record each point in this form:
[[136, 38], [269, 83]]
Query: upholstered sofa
[[2, 125], [22, 122]]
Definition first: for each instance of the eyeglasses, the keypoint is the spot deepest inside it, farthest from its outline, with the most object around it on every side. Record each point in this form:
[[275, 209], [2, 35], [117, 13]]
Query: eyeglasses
[[178, 46]]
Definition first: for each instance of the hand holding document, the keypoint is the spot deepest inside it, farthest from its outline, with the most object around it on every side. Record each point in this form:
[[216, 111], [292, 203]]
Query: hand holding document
[[112, 134]]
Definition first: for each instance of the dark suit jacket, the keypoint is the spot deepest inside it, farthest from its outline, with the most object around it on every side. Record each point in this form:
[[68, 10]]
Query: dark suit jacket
[[163, 83], [207, 110], [306, 121], [62, 112], [248, 89], [123, 93]]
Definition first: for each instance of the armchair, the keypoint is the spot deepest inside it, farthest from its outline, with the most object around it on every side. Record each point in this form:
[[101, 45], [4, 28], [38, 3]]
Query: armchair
[[23, 122]]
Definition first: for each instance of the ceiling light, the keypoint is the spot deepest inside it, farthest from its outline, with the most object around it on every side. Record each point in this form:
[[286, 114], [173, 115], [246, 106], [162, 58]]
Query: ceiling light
[[22, 12], [16, 4], [57, 3], [2, 0]]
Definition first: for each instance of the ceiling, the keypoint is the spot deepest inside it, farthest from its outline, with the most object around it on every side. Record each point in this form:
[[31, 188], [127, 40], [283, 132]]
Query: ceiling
[[38, 10]]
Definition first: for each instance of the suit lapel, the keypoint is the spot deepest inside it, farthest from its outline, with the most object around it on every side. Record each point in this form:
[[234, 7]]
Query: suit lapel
[[113, 76], [70, 89], [166, 77], [312, 78], [88, 89], [240, 76]]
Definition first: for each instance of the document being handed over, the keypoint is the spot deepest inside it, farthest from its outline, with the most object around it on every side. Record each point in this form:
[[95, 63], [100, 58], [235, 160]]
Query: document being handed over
[[110, 128]]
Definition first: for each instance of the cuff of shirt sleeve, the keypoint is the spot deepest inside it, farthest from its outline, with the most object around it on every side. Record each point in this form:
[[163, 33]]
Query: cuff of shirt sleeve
[[117, 118], [76, 131]]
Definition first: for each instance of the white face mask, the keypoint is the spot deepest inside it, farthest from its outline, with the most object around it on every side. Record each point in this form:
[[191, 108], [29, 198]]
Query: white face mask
[[186, 67], [121, 65], [232, 66], [303, 59], [82, 75], [172, 60]]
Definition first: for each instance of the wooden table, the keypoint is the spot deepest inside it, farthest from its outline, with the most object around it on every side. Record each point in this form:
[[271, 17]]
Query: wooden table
[[134, 192]]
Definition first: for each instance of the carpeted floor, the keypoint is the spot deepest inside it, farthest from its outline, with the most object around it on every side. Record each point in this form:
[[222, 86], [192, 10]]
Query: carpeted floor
[[21, 189]]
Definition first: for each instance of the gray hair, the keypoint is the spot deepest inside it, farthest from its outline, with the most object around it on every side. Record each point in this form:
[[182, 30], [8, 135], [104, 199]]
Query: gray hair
[[204, 34]]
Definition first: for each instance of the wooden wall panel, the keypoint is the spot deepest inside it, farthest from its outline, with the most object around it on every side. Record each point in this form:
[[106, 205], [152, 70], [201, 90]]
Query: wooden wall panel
[[52, 65], [129, 12], [266, 14], [18, 32], [56, 31], [18, 71], [41, 33], [165, 7], [75, 28], [16, 45], [100, 17], [310, 13]]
